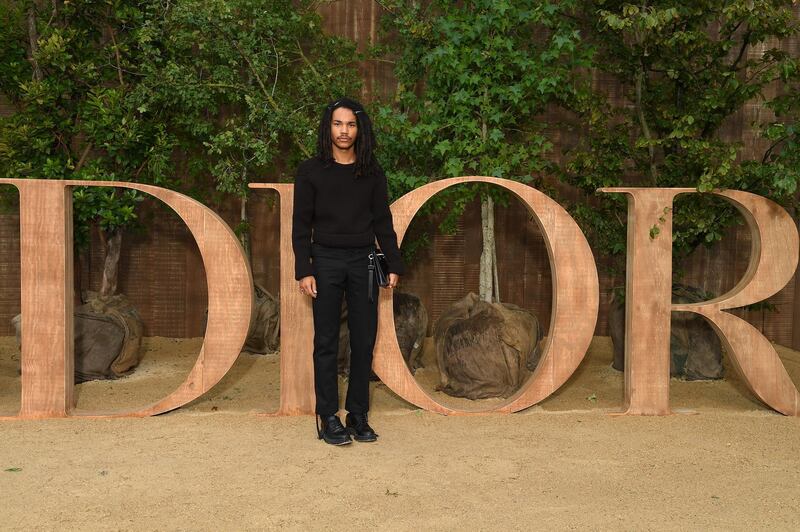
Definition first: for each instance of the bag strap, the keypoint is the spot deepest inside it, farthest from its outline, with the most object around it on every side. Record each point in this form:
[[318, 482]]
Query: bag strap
[[371, 276]]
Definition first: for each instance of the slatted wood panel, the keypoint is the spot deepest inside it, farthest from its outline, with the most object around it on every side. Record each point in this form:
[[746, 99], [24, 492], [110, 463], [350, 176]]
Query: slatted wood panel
[[359, 20], [9, 258], [265, 241], [10, 294], [161, 271], [448, 278], [416, 280], [717, 271]]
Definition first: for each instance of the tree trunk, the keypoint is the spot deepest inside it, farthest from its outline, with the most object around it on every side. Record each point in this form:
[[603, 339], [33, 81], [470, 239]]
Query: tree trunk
[[486, 279], [489, 288], [645, 128], [33, 41], [494, 261], [244, 233], [113, 246]]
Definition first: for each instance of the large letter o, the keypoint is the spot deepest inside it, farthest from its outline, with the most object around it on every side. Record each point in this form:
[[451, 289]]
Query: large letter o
[[574, 308]]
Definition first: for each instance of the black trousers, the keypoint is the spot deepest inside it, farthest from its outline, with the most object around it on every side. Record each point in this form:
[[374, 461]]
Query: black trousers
[[338, 272]]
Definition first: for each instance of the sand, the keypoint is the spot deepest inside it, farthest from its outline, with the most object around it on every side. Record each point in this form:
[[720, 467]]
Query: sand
[[565, 463]]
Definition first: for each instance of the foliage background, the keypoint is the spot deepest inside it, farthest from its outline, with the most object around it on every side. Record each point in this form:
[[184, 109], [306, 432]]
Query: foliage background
[[595, 137]]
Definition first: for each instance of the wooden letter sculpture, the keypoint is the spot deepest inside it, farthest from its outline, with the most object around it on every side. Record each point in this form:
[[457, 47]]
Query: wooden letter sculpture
[[297, 340], [575, 304], [773, 260], [574, 309], [47, 301], [47, 297]]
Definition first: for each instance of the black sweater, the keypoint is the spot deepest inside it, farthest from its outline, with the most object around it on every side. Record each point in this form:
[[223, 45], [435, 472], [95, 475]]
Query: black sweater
[[338, 210]]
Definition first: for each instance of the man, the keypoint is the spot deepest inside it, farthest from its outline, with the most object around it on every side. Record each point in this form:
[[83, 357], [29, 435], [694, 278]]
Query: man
[[341, 203]]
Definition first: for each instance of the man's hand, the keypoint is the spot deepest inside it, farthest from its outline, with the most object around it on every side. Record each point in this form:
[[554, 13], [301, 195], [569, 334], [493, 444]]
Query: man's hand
[[308, 286], [393, 280]]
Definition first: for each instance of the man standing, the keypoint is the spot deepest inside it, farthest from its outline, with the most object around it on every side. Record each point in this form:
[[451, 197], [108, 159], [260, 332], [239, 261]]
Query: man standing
[[341, 206]]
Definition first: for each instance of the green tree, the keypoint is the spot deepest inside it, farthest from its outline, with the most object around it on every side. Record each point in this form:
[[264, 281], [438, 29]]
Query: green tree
[[163, 93], [781, 159], [246, 80], [686, 68], [70, 70], [474, 78]]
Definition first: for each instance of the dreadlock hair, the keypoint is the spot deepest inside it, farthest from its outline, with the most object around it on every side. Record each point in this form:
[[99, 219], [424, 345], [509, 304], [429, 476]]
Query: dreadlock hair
[[365, 139]]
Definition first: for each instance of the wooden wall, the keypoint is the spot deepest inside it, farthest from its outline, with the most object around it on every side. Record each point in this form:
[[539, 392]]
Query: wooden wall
[[162, 273]]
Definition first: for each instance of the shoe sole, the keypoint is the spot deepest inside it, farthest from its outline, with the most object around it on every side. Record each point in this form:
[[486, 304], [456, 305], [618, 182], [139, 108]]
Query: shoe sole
[[362, 440], [338, 444]]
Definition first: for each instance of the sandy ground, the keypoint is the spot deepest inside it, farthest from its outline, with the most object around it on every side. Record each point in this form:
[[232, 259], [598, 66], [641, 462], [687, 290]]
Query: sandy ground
[[567, 463]]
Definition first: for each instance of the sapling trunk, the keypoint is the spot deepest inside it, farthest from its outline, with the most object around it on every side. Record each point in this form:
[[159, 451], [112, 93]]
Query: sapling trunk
[[496, 283], [112, 241], [487, 273], [244, 230], [489, 288], [33, 39]]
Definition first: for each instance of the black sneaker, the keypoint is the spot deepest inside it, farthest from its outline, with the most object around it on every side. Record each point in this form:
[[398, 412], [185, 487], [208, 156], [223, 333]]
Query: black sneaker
[[332, 431], [357, 426]]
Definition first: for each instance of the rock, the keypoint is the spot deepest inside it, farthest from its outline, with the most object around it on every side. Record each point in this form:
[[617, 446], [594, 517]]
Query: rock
[[410, 322], [485, 349], [695, 349], [264, 332], [265, 324]]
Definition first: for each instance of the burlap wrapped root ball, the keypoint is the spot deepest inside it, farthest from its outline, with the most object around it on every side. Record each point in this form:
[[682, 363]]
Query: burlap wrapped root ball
[[695, 349], [108, 337], [485, 349], [264, 333], [410, 325]]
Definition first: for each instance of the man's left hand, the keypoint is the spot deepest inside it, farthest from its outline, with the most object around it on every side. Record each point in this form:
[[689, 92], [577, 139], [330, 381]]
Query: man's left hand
[[393, 280]]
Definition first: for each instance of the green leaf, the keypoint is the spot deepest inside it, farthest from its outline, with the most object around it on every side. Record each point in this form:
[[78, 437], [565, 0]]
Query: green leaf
[[654, 232]]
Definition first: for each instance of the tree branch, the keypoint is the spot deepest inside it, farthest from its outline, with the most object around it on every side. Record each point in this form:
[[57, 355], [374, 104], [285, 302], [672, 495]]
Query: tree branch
[[308, 63], [139, 170], [82, 160], [729, 35], [772, 147], [54, 13], [116, 54], [385, 7], [277, 67], [267, 95], [645, 128], [745, 44], [33, 39]]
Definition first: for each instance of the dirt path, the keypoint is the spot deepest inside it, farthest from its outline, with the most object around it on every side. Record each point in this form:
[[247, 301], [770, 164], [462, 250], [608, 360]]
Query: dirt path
[[566, 463]]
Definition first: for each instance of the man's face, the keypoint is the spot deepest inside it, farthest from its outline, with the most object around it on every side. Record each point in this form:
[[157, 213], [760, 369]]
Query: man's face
[[344, 128]]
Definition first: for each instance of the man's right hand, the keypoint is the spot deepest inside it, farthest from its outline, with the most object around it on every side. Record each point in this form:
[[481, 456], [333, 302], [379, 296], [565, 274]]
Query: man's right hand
[[308, 286]]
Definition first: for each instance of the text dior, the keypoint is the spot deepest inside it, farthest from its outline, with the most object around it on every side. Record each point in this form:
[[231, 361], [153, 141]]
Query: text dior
[[47, 301]]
